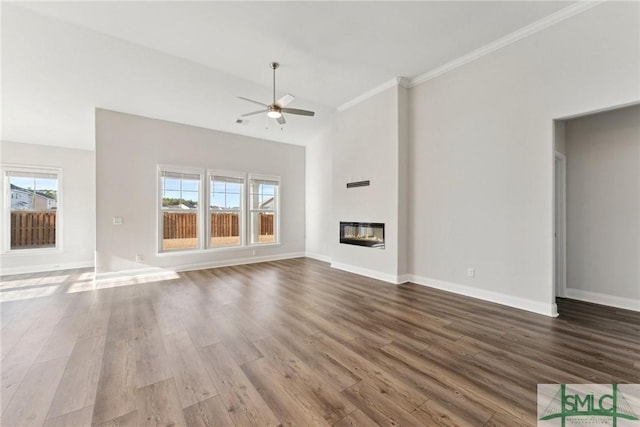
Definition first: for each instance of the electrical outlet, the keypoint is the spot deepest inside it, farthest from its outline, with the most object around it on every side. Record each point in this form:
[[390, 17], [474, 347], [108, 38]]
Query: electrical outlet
[[138, 258], [254, 252], [471, 272], [118, 220]]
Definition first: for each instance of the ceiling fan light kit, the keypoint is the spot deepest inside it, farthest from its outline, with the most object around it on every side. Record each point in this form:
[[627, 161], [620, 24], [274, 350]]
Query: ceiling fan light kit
[[274, 112], [276, 108]]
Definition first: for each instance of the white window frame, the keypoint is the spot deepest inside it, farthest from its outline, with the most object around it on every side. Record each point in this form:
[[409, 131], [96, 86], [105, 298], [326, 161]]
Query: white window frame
[[242, 211], [201, 200], [6, 226], [276, 209]]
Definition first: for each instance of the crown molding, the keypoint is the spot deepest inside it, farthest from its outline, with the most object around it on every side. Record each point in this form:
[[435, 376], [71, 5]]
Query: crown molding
[[546, 22], [403, 82], [513, 37], [396, 81]]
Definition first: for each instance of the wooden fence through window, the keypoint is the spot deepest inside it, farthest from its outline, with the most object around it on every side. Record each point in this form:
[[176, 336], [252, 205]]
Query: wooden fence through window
[[265, 224], [225, 224], [179, 225], [37, 229], [33, 229]]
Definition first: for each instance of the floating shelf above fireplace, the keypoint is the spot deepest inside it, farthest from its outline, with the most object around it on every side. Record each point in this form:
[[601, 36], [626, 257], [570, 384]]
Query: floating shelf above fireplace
[[370, 234]]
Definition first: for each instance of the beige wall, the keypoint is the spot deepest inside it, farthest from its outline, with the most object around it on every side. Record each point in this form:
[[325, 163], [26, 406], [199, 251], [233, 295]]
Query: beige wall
[[603, 204], [319, 177], [366, 145], [128, 151], [78, 210], [482, 152], [404, 184]]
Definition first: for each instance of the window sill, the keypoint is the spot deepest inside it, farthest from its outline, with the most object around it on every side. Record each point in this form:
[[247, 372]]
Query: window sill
[[27, 252], [262, 245]]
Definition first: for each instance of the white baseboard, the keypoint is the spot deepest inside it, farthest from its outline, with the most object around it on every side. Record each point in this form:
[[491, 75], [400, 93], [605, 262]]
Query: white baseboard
[[151, 271], [603, 299], [385, 277], [404, 278], [319, 257], [45, 267], [238, 261], [547, 309]]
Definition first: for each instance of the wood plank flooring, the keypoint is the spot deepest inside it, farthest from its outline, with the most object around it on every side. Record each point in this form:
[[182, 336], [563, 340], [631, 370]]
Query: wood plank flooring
[[289, 343]]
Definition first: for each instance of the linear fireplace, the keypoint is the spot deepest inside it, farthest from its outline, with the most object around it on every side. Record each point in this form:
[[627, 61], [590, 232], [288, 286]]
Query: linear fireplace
[[369, 234]]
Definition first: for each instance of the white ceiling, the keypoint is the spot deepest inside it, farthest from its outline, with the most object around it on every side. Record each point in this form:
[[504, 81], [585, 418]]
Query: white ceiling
[[187, 61]]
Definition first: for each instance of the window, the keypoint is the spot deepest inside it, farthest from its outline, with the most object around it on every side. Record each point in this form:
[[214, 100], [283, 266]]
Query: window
[[201, 209], [263, 209], [33, 200], [180, 206], [226, 194]]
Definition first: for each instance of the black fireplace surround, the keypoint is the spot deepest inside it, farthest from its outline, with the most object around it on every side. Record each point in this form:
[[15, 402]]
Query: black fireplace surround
[[370, 234]]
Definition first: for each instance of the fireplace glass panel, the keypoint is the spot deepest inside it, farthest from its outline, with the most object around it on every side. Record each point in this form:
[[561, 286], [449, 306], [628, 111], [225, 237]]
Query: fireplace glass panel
[[370, 234]]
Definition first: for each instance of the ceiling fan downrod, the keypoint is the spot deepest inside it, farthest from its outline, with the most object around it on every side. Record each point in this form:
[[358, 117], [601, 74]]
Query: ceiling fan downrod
[[274, 66]]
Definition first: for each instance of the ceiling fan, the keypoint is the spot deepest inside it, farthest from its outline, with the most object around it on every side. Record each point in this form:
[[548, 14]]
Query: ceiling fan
[[275, 109]]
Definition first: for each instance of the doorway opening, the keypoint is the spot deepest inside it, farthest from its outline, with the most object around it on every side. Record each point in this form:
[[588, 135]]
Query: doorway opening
[[596, 207]]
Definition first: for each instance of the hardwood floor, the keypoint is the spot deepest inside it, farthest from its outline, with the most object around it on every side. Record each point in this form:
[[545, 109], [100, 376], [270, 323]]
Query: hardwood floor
[[289, 343]]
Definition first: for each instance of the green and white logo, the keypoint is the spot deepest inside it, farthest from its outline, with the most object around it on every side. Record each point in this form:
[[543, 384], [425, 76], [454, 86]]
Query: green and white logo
[[616, 405]]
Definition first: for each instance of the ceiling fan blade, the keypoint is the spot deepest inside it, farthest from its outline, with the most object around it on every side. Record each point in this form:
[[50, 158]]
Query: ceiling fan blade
[[251, 100], [298, 112], [285, 100], [254, 112], [281, 120]]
